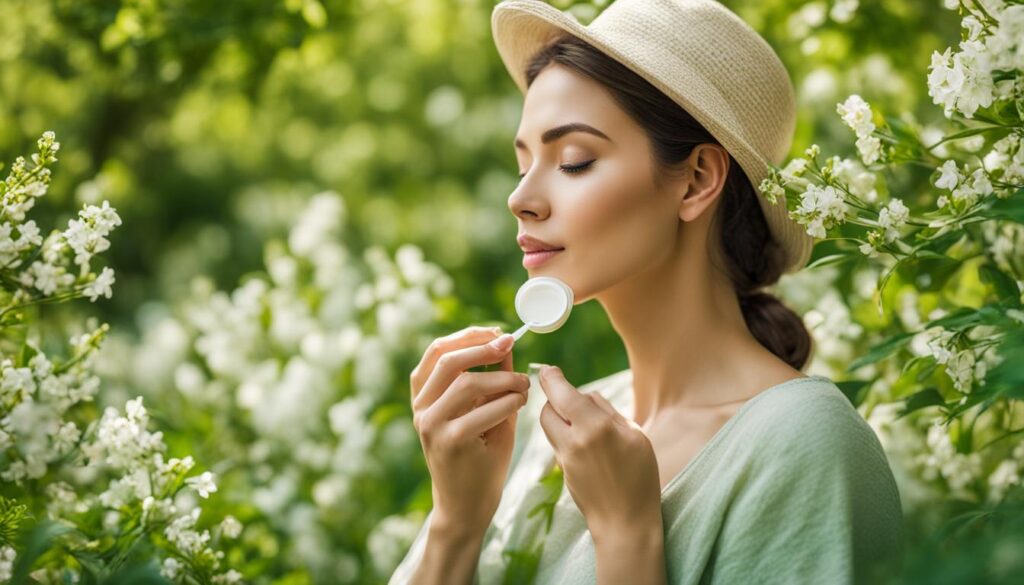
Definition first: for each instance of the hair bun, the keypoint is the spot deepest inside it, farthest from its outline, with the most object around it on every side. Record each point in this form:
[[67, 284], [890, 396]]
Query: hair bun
[[776, 326]]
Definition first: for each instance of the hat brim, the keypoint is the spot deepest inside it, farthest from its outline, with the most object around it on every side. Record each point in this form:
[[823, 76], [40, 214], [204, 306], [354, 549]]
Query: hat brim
[[521, 28]]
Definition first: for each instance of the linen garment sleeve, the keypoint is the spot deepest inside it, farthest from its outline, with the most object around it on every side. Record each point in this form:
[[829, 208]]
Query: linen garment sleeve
[[816, 501]]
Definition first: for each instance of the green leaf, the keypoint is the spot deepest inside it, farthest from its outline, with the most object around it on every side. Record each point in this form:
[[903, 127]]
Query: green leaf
[[881, 351], [967, 133], [138, 574], [35, 543], [926, 371], [966, 317], [831, 260], [927, 397], [1004, 285], [855, 390], [1011, 208], [928, 270]]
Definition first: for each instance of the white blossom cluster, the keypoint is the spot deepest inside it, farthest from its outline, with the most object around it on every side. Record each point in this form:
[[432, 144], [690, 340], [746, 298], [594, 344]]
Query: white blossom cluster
[[35, 430], [858, 181], [146, 480], [50, 274], [824, 206], [298, 359], [959, 470], [1007, 474], [1005, 240], [856, 113], [964, 365], [969, 78], [1007, 157], [820, 209], [965, 189], [7, 556], [891, 219], [56, 459]]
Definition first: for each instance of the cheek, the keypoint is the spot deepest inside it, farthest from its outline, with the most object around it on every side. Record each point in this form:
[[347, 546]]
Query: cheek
[[619, 225], [622, 218]]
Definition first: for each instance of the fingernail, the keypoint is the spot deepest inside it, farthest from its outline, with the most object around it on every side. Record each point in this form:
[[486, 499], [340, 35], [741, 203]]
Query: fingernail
[[502, 343]]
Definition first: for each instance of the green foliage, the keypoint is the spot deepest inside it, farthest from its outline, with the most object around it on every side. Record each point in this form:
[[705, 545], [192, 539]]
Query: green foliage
[[215, 129]]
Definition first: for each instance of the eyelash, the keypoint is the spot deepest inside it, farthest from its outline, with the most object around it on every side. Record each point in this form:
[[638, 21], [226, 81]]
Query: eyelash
[[572, 169]]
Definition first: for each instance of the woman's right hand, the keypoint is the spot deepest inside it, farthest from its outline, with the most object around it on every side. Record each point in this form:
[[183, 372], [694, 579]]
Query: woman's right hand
[[466, 423]]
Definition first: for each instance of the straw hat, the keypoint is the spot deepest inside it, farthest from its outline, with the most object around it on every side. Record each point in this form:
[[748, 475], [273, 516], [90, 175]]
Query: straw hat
[[701, 55]]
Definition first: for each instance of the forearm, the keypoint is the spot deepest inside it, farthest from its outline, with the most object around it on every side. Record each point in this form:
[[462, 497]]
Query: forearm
[[634, 554], [450, 556]]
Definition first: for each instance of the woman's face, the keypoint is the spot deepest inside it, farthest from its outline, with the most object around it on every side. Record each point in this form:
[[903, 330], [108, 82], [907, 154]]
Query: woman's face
[[590, 194]]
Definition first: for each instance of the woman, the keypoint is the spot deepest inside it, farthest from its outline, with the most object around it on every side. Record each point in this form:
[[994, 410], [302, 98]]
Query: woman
[[642, 138]]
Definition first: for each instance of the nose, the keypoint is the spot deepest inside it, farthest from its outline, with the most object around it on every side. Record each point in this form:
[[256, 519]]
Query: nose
[[526, 203]]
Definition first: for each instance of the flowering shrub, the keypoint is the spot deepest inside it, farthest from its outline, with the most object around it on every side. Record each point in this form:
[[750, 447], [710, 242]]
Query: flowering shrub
[[90, 490], [293, 372], [947, 333]]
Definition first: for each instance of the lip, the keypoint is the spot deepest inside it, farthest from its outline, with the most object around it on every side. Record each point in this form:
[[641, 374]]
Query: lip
[[531, 244], [534, 259]]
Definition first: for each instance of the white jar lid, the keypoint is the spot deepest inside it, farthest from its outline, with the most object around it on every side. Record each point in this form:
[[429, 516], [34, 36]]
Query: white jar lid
[[544, 303]]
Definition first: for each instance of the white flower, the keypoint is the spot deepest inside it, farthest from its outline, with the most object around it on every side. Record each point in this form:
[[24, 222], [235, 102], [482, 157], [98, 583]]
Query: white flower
[[181, 534], [7, 556], [892, 218], [48, 278], [958, 469], [230, 527], [1006, 475], [203, 484], [980, 182], [171, 568], [843, 10], [856, 113], [231, 576], [961, 368], [820, 209], [870, 148], [100, 286], [950, 176]]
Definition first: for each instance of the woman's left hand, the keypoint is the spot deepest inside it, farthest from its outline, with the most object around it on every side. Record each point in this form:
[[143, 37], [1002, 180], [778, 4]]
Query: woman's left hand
[[607, 461]]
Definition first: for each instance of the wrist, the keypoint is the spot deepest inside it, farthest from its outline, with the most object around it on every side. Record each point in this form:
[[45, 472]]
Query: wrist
[[637, 535], [451, 554], [631, 554], [444, 528]]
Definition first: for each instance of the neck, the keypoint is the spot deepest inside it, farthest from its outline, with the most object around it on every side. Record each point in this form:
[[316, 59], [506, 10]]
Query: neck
[[684, 334]]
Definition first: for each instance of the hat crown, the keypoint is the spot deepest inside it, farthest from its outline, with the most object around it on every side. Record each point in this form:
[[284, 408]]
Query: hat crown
[[740, 70]]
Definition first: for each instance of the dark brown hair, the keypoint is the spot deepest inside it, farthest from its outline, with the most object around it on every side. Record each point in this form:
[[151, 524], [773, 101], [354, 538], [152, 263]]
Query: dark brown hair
[[753, 259]]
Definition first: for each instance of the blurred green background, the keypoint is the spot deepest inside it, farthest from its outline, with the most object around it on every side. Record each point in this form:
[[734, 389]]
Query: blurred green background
[[211, 125]]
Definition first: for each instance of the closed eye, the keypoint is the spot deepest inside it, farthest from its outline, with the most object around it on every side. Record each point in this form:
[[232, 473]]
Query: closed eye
[[571, 169]]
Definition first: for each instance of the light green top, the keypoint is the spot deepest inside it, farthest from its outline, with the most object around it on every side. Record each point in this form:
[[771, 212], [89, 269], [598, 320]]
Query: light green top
[[793, 488]]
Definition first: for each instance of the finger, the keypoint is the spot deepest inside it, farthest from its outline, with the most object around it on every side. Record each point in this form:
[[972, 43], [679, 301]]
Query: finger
[[484, 417], [555, 427], [469, 388], [570, 404], [458, 340], [452, 364]]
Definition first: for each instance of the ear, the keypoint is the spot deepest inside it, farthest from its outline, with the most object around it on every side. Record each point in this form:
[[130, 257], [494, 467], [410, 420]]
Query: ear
[[708, 167]]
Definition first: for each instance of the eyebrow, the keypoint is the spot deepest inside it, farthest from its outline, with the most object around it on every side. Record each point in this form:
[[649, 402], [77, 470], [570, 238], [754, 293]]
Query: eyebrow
[[560, 131]]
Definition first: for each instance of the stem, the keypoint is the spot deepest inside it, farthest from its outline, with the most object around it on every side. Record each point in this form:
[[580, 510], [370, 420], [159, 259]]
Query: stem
[[44, 300], [1000, 438], [983, 11]]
